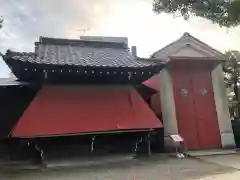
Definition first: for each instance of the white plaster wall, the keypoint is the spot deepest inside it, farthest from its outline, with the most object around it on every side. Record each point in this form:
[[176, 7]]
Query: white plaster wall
[[190, 47], [220, 96], [168, 103]]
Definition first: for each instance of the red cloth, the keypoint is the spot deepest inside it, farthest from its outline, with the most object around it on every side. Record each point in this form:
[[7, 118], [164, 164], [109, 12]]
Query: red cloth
[[59, 110], [155, 103]]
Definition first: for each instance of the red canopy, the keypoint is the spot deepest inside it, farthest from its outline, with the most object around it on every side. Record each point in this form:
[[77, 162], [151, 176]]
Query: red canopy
[[156, 103], [61, 110], [153, 82]]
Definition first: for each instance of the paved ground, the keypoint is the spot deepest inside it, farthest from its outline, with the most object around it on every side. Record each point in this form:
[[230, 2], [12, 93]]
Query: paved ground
[[231, 160], [141, 169], [227, 176]]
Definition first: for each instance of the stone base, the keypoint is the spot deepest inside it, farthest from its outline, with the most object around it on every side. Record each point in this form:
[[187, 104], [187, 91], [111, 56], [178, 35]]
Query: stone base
[[210, 152], [227, 140], [169, 145]]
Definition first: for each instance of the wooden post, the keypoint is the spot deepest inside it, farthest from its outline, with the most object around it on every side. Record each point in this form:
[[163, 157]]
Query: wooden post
[[149, 144], [92, 144]]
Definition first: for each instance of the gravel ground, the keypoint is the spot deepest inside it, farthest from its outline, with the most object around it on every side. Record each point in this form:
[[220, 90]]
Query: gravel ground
[[140, 169]]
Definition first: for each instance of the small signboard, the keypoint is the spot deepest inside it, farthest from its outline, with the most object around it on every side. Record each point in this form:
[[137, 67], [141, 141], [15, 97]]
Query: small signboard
[[176, 138], [179, 142]]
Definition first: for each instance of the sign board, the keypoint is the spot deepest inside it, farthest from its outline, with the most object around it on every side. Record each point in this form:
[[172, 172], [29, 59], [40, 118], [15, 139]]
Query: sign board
[[176, 138]]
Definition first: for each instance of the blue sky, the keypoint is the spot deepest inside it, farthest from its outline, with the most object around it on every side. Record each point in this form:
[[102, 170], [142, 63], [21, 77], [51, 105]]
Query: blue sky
[[26, 20]]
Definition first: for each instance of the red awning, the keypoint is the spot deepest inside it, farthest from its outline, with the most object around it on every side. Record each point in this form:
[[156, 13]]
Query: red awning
[[62, 110], [153, 82], [155, 103]]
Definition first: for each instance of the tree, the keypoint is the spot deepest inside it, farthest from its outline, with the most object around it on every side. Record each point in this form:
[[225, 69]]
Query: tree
[[223, 12], [1, 22], [231, 70]]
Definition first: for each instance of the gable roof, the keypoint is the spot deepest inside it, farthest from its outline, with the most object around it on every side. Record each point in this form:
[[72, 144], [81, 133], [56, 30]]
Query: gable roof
[[81, 53], [188, 46]]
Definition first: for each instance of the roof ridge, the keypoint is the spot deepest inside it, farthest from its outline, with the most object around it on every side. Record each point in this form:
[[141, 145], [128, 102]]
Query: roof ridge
[[80, 42], [81, 57], [165, 47], [9, 52]]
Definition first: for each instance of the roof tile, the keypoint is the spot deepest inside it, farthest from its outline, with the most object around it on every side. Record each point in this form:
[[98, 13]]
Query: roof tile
[[82, 56]]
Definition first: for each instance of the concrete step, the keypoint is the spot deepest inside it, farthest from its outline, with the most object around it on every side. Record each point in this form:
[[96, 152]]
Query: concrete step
[[210, 152]]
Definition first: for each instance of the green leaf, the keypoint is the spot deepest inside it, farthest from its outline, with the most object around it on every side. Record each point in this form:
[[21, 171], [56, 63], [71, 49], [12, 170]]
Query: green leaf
[[1, 22], [223, 12]]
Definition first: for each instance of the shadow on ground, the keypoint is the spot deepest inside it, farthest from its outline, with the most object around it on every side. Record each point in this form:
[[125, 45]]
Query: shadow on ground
[[152, 168]]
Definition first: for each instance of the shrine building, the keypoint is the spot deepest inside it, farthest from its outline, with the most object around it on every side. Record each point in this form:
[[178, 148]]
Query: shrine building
[[96, 88]]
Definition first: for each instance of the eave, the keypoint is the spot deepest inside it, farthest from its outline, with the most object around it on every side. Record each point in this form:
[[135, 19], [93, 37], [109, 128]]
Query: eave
[[26, 71]]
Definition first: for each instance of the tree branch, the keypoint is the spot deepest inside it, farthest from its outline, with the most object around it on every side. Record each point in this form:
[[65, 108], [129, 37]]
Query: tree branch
[[222, 12]]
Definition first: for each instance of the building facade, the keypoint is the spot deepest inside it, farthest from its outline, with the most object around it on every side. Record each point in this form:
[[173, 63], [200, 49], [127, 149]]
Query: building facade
[[193, 94], [96, 86]]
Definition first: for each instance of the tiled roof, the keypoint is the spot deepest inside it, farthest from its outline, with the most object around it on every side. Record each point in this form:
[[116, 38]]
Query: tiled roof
[[80, 53]]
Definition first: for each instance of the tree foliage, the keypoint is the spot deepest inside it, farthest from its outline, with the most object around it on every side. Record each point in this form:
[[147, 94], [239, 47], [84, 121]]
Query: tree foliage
[[232, 67], [1, 22], [223, 12], [231, 70]]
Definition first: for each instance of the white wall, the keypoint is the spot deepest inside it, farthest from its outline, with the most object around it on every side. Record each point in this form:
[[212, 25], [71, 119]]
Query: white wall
[[220, 96], [168, 103]]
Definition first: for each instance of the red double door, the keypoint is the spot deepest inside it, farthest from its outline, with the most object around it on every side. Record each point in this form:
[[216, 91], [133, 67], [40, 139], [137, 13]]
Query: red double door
[[195, 108]]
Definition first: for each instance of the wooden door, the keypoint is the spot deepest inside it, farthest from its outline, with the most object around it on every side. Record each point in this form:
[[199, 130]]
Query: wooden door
[[205, 109], [184, 105]]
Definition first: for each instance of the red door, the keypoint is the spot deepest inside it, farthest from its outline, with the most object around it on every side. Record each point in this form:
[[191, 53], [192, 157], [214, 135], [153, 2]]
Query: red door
[[185, 111], [205, 109], [195, 108]]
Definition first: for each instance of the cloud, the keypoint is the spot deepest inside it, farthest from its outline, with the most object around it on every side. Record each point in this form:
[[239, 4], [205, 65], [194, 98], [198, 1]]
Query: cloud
[[26, 20], [55, 18]]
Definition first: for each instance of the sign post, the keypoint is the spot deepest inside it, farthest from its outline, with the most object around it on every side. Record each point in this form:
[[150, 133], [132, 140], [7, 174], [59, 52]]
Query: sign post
[[179, 145]]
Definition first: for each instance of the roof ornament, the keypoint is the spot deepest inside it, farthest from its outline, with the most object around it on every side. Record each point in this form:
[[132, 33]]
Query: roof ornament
[[186, 34]]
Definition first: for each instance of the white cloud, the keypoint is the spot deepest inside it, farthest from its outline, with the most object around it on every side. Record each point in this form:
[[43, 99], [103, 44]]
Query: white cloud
[[26, 20]]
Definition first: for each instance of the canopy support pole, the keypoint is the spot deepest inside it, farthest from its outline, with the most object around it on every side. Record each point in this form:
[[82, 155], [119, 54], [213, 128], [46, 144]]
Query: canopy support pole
[[92, 143], [149, 144]]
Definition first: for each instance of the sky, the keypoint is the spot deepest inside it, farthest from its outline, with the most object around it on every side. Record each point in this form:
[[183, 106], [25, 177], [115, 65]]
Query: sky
[[26, 20]]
